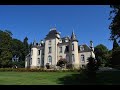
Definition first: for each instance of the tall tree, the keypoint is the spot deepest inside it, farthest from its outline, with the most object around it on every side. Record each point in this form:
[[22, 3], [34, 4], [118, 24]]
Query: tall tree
[[115, 44], [101, 53], [91, 68], [30, 46], [25, 42], [115, 24], [5, 48], [115, 34]]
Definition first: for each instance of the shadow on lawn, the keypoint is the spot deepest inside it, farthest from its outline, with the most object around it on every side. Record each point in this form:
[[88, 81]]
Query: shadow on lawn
[[76, 79], [102, 78]]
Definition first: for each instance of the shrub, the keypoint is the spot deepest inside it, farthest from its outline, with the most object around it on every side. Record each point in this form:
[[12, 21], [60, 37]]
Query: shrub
[[62, 62], [36, 70], [91, 68]]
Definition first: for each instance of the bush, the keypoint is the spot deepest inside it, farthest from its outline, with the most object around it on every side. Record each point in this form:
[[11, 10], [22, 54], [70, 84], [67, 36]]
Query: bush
[[36, 70], [91, 68], [62, 62], [47, 66]]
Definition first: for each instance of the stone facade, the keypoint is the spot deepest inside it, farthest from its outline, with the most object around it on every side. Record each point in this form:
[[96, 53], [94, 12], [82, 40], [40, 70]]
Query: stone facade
[[53, 48]]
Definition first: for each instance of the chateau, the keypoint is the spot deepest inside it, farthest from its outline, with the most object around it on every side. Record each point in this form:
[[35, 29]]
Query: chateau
[[54, 47]]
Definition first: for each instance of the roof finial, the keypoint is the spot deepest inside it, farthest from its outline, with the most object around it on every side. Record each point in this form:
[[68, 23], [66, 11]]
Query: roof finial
[[55, 25], [73, 30], [34, 43]]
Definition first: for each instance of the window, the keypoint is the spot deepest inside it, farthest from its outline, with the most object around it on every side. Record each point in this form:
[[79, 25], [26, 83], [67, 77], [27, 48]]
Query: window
[[49, 59], [60, 49], [49, 49], [73, 58], [49, 42], [38, 52], [67, 58], [82, 58], [42, 61], [81, 48], [31, 52], [38, 60], [67, 49], [72, 47], [31, 61]]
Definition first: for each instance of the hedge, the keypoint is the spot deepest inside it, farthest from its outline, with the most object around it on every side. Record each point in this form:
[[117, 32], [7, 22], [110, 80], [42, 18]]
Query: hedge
[[36, 70]]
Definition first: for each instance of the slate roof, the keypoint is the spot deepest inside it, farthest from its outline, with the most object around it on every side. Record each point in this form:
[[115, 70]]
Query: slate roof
[[52, 34], [73, 37], [65, 38], [85, 48], [37, 46], [63, 43]]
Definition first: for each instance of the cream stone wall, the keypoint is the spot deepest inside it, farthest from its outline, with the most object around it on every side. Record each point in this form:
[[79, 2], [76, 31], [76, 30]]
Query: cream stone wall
[[34, 57], [55, 54], [56, 50], [75, 52], [63, 54], [86, 56], [53, 51], [27, 62]]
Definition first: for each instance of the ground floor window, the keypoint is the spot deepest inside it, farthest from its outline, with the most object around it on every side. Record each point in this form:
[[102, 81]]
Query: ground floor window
[[67, 58], [31, 61], [50, 60], [73, 58], [38, 60]]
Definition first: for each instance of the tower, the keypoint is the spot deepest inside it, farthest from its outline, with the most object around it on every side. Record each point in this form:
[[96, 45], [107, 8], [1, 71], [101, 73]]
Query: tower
[[74, 51], [51, 41], [92, 49], [34, 55]]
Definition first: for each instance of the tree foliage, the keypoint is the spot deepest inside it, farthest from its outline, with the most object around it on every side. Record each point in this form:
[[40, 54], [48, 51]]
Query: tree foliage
[[91, 68], [9, 47], [115, 24], [115, 44], [102, 54], [115, 60], [115, 34], [62, 62]]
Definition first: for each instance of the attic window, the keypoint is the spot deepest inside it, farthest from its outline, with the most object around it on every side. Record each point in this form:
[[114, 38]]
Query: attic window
[[49, 42], [81, 48]]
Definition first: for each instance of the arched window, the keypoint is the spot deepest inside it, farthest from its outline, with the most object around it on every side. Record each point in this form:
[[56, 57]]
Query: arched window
[[67, 58], [82, 58], [50, 60], [73, 58]]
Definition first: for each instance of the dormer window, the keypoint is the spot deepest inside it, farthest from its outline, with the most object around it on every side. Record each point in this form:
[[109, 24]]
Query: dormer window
[[66, 40], [81, 48]]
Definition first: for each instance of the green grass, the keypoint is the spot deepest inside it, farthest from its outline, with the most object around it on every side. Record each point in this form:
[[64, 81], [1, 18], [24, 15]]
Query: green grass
[[31, 78], [57, 78]]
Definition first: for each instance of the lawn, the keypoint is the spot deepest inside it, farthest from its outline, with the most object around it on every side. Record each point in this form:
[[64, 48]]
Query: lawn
[[57, 78], [32, 78]]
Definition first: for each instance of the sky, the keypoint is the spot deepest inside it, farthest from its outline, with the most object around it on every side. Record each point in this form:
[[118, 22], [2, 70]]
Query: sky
[[89, 22]]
